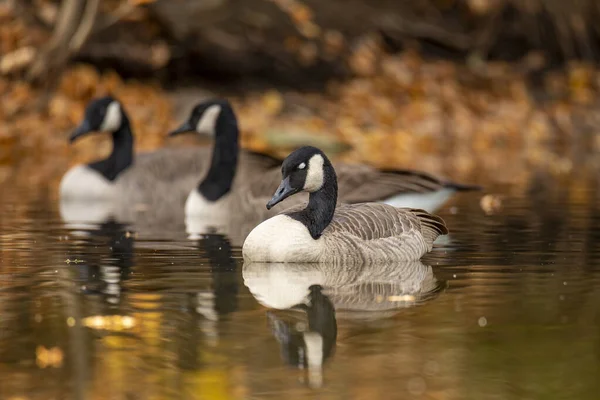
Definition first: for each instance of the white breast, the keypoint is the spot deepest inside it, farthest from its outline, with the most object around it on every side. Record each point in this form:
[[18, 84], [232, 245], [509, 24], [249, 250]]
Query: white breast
[[203, 216], [281, 239], [82, 182], [85, 214]]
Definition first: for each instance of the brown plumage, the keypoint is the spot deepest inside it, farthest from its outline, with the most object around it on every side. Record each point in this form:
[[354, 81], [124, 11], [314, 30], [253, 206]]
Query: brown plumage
[[379, 233]]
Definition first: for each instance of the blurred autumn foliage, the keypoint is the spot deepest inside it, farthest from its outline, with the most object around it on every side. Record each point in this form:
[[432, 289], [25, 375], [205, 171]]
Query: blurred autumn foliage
[[457, 87]]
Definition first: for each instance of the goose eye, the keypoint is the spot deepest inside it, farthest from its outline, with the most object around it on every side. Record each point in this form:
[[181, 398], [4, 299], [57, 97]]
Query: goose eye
[[301, 165]]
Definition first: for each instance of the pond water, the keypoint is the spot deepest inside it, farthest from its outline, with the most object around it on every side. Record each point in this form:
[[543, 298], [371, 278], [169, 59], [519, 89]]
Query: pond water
[[507, 307]]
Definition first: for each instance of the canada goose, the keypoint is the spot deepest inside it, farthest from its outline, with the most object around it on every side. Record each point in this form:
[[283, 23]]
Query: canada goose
[[351, 234], [122, 186], [216, 119], [228, 187]]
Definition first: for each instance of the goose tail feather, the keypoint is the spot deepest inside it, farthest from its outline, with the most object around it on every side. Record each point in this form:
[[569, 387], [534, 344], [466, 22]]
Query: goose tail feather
[[432, 226]]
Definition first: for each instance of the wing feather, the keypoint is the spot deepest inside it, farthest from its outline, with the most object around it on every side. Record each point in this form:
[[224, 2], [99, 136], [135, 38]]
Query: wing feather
[[373, 221]]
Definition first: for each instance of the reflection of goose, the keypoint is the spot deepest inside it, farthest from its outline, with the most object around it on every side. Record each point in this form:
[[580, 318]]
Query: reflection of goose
[[326, 294], [221, 298], [378, 287], [102, 273], [307, 343], [82, 216]]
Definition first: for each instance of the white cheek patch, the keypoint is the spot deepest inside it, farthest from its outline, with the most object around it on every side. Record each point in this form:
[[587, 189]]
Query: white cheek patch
[[113, 117], [314, 174], [207, 123]]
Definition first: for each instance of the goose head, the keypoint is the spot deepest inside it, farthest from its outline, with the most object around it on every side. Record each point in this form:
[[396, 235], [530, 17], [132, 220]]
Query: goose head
[[306, 169], [205, 118], [104, 114]]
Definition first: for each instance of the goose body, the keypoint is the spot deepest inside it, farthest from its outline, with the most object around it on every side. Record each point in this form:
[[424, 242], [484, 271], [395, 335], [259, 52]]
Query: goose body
[[351, 234], [238, 182], [358, 234]]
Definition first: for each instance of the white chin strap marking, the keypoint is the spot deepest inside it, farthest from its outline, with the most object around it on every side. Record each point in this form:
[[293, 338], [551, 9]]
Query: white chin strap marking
[[113, 117], [208, 122], [314, 174]]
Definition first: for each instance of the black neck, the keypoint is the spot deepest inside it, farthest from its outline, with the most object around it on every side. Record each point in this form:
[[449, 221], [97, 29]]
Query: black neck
[[121, 156], [321, 205], [219, 179]]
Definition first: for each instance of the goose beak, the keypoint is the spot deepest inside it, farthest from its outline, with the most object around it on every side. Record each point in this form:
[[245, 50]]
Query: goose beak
[[185, 128], [284, 191], [83, 129]]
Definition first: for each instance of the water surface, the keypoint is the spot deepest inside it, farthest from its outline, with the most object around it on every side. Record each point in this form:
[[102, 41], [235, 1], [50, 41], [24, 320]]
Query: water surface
[[506, 308]]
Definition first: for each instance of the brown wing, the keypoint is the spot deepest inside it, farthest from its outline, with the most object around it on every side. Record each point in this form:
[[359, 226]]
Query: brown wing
[[372, 221], [361, 183]]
